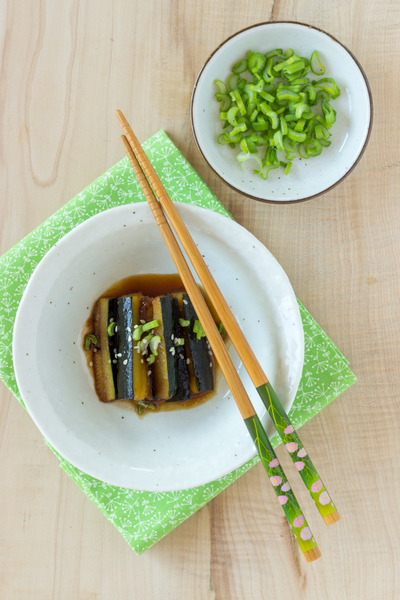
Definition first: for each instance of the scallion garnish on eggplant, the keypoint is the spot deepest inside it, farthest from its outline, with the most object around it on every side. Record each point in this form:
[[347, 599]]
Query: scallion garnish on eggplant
[[149, 350]]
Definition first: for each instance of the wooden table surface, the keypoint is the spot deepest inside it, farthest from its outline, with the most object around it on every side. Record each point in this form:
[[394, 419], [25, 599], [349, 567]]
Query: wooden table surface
[[65, 68]]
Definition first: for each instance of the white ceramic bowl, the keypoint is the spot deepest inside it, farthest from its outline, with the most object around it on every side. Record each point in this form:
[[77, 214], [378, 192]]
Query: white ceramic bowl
[[350, 134], [167, 450]]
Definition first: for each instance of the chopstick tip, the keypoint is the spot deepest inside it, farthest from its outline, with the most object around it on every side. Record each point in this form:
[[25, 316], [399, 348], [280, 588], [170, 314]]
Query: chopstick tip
[[312, 554], [332, 518], [120, 116]]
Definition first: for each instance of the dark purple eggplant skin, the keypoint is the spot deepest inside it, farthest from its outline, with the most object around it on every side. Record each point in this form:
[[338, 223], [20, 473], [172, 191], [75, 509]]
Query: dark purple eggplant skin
[[120, 310], [183, 391], [200, 351]]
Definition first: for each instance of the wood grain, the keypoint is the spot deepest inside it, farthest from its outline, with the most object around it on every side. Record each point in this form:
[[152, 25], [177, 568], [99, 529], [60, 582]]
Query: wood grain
[[65, 68]]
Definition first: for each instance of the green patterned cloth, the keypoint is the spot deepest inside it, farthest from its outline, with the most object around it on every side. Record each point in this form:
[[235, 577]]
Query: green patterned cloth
[[143, 518]]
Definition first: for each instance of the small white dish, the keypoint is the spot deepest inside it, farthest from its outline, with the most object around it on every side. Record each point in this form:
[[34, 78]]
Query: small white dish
[[350, 134], [169, 450]]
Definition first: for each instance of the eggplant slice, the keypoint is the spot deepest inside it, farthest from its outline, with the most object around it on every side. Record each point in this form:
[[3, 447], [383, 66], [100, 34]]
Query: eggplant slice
[[183, 391], [200, 350], [104, 377], [165, 375], [123, 348], [142, 381]]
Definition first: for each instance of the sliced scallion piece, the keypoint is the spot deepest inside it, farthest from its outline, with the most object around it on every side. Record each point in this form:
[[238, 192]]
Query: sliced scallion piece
[[315, 64], [198, 330], [89, 340], [111, 328]]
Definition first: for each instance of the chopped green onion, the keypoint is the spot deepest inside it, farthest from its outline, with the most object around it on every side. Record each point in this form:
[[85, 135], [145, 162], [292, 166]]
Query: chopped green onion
[[315, 64], [137, 332], [89, 340], [150, 325], [240, 67], [150, 359], [329, 85], [154, 343], [222, 87], [276, 108], [179, 342], [111, 328], [288, 167], [184, 322], [145, 342], [147, 405], [198, 329]]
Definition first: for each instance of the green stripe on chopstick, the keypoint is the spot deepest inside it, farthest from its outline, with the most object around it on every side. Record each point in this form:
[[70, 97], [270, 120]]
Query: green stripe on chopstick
[[296, 450], [286, 497]]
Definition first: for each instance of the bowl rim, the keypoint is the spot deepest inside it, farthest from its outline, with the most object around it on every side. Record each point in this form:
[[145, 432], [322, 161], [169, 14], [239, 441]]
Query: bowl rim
[[369, 127]]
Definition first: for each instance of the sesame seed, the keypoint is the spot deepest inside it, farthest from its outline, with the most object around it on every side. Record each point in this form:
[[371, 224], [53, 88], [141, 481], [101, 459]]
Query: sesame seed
[[142, 321], [142, 361], [188, 361], [135, 326], [126, 361], [129, 329], [90, 364], [185, 302], [148, 372], [94, 349], [116, 328], [172, 336], [129, 338], [115, 361], [172, 350], [119, 355], [210, 364], [181, 356]]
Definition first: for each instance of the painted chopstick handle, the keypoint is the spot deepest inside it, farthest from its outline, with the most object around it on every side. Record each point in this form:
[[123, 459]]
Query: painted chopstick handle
[[286, 497], [298, 454]]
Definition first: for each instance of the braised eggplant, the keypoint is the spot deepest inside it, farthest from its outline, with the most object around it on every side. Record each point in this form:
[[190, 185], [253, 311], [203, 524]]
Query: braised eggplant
[[183, 391], [142, 380], [149, 349], [200, 350], [165, 372], [103, 373]]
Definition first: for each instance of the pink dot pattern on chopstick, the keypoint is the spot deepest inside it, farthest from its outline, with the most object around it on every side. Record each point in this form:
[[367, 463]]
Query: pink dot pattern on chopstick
[[275, 480], [316, 486], [291, 447], [298, 522], [324, 498]]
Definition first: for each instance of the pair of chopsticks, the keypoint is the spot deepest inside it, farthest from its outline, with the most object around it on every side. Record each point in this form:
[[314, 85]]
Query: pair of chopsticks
[[153, 189]]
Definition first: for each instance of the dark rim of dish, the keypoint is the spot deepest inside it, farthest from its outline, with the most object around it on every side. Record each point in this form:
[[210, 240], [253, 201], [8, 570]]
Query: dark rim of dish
[[271, 201]]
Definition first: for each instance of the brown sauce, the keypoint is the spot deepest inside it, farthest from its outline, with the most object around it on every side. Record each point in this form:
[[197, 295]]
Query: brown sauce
[[153, 285]]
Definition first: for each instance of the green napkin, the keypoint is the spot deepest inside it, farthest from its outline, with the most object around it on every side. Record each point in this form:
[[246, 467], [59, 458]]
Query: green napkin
[[143, 518]]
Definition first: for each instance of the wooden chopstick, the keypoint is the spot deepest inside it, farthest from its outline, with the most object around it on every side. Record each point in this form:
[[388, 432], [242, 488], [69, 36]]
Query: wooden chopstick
[[284, 426], [270, 462]]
